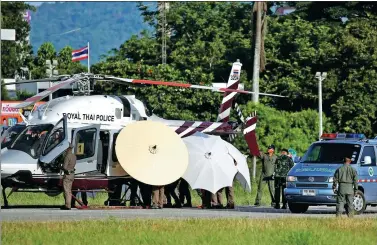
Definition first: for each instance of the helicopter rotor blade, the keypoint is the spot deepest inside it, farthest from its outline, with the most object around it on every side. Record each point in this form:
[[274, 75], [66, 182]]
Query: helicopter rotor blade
[[47, 92], [51, 79], [184, 85]]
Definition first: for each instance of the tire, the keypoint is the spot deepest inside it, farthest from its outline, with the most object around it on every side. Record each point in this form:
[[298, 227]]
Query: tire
[[298, 208], [359, 204]]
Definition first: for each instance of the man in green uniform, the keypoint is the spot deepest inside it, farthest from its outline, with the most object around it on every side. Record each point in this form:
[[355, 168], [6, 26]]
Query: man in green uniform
[[346, 179], [268, 167], [69, 175], [283, 164]]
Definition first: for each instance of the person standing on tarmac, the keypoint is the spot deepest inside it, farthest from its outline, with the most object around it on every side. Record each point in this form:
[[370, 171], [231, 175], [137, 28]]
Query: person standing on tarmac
[[69, 176], [268, 167], [283, 164], [158, 197], [184, 192], [170, 192], [84, 198], [345, 178]]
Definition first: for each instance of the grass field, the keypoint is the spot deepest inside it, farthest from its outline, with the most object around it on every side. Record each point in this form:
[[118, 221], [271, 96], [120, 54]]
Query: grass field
[[242, 197], [194, 231]]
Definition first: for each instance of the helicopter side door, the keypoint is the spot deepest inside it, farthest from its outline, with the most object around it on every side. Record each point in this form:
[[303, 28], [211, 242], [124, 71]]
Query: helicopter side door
[[56, 143], [85, 142]]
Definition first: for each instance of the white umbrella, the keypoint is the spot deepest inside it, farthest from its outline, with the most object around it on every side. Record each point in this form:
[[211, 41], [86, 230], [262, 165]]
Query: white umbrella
[[243, 175], [210, 165]]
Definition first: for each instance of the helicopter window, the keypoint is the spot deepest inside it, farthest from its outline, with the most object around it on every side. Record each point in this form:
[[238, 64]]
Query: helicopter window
[[55, 138], [11, 134], [126, 107], [115, 159], [85, 143], [31, 139], [118, 113], [147, 112]]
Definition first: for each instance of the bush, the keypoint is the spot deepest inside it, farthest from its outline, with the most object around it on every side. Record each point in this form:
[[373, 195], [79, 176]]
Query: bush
[[284, 129]]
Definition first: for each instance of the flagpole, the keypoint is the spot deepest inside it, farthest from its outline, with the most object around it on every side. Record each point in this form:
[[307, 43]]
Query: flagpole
[[88, 58]]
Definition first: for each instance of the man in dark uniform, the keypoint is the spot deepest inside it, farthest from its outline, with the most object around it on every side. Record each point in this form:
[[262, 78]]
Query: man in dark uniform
[[69, 175], [283, 164], [184, 192], [268, 167], [346, 179], [170, 192]]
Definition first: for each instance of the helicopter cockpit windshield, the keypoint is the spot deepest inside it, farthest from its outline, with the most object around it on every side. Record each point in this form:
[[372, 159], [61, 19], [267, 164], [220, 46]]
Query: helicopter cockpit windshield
[[147, 112], [31, 139], [11, 134]]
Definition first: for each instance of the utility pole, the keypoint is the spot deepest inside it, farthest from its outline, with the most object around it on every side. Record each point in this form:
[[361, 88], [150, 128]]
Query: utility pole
[[254, 157], [257, 51], [50, 71], [163, 8], [320, 76]]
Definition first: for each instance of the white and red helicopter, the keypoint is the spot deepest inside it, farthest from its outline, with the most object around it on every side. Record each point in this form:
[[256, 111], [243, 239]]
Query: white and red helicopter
[[30, 162]]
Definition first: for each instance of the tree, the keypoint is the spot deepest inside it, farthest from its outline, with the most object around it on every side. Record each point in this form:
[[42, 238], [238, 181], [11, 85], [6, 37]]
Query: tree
[[65, 65], [14, 54], [297, 48]]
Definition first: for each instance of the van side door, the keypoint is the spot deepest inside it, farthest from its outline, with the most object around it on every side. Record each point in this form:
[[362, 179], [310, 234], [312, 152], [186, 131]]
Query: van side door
[[367, 173]]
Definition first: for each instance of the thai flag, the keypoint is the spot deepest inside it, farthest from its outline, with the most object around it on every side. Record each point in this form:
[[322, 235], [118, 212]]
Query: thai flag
[[80, 54]]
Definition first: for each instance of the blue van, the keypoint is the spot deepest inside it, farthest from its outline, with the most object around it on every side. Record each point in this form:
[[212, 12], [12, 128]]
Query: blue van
[[309, 182]]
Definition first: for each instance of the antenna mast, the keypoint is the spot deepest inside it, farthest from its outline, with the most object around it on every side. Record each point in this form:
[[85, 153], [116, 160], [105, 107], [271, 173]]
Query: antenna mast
[[162, 9]]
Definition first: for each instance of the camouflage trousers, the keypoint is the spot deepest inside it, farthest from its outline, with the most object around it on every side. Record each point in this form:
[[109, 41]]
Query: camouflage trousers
[[280, 184], [341, 200]]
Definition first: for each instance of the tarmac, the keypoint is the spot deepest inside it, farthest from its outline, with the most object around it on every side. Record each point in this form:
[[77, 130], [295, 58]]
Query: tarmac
[[53, 213]]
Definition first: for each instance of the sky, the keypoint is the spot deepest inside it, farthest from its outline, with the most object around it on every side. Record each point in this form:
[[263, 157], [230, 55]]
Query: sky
[[34, 3]]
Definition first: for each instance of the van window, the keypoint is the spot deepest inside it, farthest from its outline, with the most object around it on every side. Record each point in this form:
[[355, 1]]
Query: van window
[[369, 151], [115, 159], [331, 153]]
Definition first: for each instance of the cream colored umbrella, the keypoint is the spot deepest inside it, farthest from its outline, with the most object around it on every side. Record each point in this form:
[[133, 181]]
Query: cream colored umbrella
[[151, 152]]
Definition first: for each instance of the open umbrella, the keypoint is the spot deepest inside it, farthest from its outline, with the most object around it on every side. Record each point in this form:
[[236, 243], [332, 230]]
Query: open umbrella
[[243, 175], [151, 152], [210, 165]]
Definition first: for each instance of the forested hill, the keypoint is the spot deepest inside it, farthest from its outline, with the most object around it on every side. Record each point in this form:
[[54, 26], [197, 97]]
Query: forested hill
[[106, 25]]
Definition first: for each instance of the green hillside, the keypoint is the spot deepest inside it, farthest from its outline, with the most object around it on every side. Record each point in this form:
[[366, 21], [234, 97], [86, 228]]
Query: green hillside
[[106, 25]]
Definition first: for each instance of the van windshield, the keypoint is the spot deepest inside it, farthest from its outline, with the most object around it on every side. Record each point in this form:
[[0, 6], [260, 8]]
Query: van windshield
[[31, 139], [331, 153]]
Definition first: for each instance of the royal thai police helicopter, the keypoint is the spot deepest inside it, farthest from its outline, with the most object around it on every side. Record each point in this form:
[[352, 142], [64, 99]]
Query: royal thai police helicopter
[[31, 160]]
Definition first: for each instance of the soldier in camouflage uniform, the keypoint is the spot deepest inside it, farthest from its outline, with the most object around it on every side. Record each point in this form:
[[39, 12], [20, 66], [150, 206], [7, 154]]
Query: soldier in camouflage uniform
[[268, 166], [283, 164], [346, 177]]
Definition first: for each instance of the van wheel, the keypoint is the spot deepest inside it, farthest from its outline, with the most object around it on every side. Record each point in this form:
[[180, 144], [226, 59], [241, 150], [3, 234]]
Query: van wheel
[[298, 208], [359, 204]]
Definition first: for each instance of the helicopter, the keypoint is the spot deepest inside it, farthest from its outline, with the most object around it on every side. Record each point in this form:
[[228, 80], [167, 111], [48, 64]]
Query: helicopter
[[91, 123]]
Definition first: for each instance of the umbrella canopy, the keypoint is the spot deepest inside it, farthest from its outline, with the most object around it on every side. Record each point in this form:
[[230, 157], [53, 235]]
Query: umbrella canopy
[[151, 152], [243, 175], [210, 165]]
